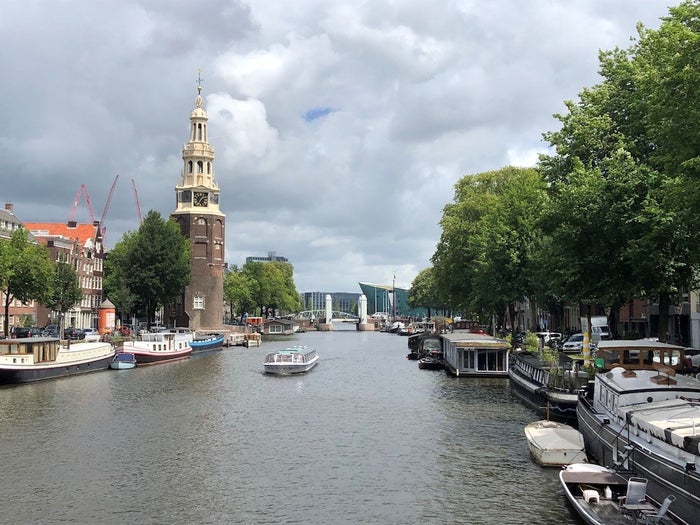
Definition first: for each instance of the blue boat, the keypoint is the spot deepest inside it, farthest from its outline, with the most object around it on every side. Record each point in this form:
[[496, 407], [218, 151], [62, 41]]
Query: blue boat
[[207, 343], [123, 361]]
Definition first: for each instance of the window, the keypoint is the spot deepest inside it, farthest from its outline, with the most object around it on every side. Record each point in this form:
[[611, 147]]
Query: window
[[198, 302], [275, 328]]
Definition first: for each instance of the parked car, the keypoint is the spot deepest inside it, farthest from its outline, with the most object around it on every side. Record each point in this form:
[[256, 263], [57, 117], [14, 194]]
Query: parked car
[[90, 334], [50, 331], [17, 332], [574, 344], [73, 333]]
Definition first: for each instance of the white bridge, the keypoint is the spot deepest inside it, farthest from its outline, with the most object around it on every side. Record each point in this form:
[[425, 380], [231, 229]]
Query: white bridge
[[320, 315]]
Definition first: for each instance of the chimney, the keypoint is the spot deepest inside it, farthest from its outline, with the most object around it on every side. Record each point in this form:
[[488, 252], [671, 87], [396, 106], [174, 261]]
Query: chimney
[[9, 207]]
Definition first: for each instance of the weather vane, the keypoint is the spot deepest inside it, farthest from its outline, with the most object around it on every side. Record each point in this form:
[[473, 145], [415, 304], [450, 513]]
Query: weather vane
[[199, 80]]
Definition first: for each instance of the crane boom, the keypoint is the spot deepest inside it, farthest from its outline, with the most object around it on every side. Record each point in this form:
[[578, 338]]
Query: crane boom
[[82, 190], [136, 197], [109, 199]]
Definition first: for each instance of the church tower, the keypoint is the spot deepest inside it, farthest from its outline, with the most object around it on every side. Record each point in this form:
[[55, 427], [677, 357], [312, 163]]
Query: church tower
[[202, 222]]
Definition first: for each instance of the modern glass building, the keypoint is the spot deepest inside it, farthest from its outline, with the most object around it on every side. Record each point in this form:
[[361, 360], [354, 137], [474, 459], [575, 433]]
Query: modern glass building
[[380, 298]]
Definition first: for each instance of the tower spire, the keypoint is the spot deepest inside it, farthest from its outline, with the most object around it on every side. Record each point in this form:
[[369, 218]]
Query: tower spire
[[198, 100]]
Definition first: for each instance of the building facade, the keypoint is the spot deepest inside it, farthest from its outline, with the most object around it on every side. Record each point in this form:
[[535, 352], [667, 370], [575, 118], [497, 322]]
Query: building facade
[[201, 221]]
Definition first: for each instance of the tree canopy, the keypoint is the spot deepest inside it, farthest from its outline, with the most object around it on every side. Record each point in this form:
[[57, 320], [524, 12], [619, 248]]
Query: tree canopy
[[26, 271], [149, 268]]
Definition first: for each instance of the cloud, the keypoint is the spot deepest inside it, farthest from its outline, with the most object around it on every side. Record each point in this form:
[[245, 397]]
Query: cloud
[[340, 128]]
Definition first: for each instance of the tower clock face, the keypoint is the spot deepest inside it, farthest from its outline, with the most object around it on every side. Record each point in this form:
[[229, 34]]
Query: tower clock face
[[201, 198]]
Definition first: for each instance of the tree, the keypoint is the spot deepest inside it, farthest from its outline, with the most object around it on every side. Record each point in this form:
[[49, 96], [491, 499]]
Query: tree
[[114, 284], [26, 271], [237, 291], [424, 291], [482, 262], [272, 286], [151, 266], [65, 291], [622, 217]]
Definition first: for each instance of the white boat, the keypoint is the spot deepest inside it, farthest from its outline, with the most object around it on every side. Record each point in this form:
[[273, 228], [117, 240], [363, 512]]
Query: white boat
[[554, 444], [159, 347], [601, 496], [291, 360], [647, 422], [35, 358]]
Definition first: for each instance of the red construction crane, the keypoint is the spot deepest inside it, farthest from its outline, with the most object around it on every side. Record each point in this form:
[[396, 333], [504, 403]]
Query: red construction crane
[[106, 208], [81, 190], [136, 197]]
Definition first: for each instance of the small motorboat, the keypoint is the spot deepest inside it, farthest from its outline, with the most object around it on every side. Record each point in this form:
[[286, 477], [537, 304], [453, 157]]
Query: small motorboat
[[430, 363], [123, 361], [601, 496], [554, 444]]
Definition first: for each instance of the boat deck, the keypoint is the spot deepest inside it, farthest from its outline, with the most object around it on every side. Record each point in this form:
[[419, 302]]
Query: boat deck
[[609, 512]]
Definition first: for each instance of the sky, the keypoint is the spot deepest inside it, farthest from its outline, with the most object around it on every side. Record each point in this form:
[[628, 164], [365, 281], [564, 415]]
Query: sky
[[340, 127]]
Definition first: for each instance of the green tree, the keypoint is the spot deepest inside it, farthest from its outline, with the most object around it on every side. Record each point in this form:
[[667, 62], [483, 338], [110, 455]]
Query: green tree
[[152, 265], [490, 233], [237, 292], [116, 269], [65, 292], [26, 272], [424, 291], [272, 286], [622, 217]]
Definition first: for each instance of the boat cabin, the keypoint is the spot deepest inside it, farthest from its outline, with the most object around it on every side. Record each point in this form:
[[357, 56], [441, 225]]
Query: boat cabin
[[29, 350], [642, 354], [475, 355]]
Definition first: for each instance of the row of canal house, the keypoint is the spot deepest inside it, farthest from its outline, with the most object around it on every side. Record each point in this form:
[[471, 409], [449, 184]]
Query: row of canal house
[[77, 244]]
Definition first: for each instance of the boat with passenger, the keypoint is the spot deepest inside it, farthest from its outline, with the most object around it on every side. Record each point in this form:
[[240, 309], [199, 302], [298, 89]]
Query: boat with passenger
[[291, 360], [158, 347], [647, 421], [30, 359]]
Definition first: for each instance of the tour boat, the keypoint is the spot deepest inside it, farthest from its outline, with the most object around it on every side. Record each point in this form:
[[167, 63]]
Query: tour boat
[[647, 422], [159, 347], [36, 358], [554, 444], [291, 360], [122, 361]]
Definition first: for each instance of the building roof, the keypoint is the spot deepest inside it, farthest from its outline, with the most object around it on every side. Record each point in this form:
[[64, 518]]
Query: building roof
[[81, 232]]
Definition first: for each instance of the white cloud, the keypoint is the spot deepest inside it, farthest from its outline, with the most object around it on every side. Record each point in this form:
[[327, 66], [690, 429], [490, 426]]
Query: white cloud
[[408, 97]]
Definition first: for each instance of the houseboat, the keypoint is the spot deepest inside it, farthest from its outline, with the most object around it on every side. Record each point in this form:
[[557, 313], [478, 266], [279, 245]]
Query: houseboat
[[552, 390], [470, 354], [159, 347], [35, 358], [647, 422]]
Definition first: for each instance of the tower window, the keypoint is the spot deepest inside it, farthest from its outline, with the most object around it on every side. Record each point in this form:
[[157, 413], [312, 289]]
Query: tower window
[[199, 132], [208, 168], [198, 302], [200, 166], [189, 164]]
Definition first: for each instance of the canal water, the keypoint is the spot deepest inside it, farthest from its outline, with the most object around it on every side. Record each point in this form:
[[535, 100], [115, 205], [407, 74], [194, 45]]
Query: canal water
[[366, 437]]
